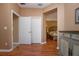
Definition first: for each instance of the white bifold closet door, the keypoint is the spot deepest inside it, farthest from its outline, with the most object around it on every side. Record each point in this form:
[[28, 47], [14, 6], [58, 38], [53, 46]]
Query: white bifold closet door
[[30, 29], [36, 29], [25, 30]]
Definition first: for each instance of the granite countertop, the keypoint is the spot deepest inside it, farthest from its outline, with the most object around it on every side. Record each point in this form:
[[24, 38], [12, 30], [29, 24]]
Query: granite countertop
[[72, 32]]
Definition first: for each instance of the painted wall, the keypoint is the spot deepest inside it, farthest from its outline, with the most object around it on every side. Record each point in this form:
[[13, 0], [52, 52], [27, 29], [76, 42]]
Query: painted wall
[[5, 20], [30, 12], [70, 17], [5, 35], [15, 28], [51, 16]]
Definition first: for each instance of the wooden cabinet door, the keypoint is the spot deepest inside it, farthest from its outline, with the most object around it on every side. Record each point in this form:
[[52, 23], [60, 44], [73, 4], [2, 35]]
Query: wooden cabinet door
[[75, 50], [65, 47]]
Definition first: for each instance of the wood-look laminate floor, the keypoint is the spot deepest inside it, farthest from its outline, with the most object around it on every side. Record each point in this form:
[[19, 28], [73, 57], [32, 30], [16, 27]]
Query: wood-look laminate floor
[[48, 49]]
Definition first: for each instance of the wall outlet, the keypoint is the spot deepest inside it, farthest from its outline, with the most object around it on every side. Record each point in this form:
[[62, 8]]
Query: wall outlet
[[6, 44]]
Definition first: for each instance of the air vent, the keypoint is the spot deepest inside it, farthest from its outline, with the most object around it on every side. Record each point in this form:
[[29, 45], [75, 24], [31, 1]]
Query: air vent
[[40, 4], [23, 3]]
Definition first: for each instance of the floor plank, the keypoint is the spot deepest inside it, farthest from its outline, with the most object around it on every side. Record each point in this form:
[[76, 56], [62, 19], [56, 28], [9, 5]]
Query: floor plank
[[48, 49]]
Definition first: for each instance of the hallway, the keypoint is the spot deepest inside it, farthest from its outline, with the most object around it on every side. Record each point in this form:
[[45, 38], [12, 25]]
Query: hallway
[[48, 49]]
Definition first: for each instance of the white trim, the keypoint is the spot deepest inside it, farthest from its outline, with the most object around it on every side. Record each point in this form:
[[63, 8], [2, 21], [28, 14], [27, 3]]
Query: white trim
[[16, 43], [42, 29], [11, 29], [43, 43], [6, 50], [25, 43], [12, 11]]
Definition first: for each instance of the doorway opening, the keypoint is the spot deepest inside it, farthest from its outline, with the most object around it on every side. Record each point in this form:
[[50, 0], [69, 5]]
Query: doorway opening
[[50, 25], [15, 27], [51, 30]]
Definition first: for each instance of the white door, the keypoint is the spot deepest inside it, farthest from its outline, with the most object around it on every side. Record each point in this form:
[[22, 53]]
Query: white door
[[36, 29], [25, 30]]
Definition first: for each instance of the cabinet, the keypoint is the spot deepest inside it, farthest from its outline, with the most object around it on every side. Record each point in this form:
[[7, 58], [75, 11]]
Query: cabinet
[[65, 48], [75, 45], [69, 43], [64, 44], [75, 51], [62, 47]]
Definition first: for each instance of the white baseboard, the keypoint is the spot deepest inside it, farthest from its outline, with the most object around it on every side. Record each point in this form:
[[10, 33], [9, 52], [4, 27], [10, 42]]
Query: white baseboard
[[57, 48], [24, 43], [6, 50], [16, 43], [43, 43], [9, 50], [36, 42]]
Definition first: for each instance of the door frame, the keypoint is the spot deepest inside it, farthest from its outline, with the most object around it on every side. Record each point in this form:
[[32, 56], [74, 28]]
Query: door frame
[[44, 28], [13, 12]]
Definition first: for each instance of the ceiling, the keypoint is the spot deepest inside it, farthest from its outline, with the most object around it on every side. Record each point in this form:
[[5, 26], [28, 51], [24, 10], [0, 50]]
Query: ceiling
[[33, 5]]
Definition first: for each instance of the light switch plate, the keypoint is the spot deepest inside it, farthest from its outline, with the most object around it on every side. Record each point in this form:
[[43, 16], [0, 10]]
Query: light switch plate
[[6, 44]]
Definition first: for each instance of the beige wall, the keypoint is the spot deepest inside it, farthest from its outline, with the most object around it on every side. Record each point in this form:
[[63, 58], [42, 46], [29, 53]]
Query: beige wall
[[30, 12], [15, 28], [5, 20], [70, 17], [5, 35], [15, 7], [51, 16]]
